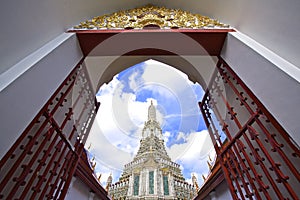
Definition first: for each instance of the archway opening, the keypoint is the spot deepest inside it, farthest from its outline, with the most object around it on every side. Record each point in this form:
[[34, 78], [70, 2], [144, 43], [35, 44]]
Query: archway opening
[[123, 111]]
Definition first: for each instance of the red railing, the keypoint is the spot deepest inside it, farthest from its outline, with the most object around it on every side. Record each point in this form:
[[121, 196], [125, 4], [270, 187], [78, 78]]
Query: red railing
[[42, 161], [260, 160]]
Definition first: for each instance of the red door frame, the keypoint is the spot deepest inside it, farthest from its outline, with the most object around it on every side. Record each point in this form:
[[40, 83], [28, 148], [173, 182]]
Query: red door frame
[[258, 157]]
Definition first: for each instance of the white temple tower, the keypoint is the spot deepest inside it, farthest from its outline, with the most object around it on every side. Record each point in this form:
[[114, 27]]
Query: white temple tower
[[152, 174]]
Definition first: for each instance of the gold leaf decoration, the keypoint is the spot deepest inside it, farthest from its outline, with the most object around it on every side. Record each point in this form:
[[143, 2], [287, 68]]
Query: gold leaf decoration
[[150, 17]]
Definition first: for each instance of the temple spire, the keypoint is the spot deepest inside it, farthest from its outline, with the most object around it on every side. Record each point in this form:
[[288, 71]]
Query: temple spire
[[151, 112], [152, 174]]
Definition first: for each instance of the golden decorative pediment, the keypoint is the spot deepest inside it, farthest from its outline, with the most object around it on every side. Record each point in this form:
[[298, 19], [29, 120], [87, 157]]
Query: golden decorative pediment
[[152, 17]]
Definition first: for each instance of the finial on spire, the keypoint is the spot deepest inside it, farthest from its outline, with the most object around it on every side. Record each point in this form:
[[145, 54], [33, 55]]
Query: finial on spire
[[99, 177], [94, 166], [195, 183], [108, 182], [89, 147], [152, 112], [203, 177], [209, 165]]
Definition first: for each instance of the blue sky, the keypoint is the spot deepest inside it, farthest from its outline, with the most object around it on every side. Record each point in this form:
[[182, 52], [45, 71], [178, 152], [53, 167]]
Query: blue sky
[[114, 137]]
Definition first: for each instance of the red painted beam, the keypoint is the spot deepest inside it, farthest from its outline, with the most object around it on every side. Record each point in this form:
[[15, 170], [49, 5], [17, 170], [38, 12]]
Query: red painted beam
[[211, 40]]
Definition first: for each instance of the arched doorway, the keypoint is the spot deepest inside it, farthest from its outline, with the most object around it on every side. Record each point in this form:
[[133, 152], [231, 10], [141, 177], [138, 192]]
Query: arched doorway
[[254, 161]]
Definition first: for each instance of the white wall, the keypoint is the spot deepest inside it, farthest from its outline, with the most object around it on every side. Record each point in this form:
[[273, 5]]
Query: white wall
[[28, 25], [221, 192], [23, 98], [78, 191], [273, 23]]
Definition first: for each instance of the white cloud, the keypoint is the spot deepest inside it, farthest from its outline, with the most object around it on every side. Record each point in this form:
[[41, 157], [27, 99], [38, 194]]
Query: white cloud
[[166, 136], [134, 81], [181, 135], [138, 111], [199, 145], [116, 131], [173, 85], [158, 72], [160, 90], [114, 113], [195, 153], [105, 173], [105, 151]]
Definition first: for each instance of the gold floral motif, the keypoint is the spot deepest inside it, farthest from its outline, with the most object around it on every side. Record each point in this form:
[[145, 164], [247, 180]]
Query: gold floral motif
[[150, 16]]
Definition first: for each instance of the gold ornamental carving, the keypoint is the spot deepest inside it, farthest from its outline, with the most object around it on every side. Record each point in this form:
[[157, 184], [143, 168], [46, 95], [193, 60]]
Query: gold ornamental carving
[[150, 17]]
